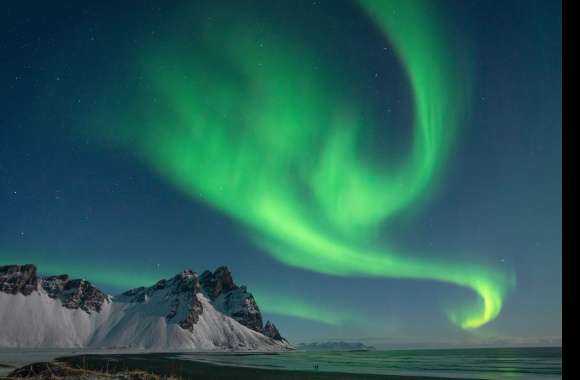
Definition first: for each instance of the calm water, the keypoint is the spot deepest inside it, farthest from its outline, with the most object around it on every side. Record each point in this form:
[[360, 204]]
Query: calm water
[[487, 363]]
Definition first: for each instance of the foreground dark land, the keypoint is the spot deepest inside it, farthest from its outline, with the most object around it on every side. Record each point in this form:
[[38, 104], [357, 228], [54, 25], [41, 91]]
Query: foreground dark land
[[159, 366]]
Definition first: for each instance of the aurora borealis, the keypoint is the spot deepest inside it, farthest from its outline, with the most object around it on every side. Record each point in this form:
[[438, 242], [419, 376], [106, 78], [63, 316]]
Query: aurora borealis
[[270, 142], [312, 202]]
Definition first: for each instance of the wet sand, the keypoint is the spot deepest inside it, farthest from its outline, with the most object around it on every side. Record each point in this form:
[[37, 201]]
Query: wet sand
[[163, 365]]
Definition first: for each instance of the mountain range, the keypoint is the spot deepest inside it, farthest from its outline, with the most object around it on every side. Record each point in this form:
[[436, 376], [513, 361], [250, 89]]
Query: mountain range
[[204, 312]]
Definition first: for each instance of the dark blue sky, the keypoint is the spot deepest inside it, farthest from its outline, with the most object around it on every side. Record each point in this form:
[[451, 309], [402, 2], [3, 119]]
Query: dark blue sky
[[87, 207]]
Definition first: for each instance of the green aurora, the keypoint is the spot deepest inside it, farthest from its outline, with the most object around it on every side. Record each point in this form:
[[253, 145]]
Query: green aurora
[[252, 128], [289, 305], [123, 278]]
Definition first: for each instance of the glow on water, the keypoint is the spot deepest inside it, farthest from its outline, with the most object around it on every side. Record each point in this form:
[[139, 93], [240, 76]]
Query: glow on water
[[487, 363]]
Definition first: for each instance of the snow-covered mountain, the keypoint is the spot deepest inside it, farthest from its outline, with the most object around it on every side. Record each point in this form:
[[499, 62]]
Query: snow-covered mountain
[[185, 312]]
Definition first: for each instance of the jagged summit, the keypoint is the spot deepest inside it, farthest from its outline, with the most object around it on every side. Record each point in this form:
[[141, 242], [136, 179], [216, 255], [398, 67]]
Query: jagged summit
[[218, 287], [216, 283], [18, 279], [184, 282], [271, 331], [180, 292], [186, 311], [231, 299], [73, 293]]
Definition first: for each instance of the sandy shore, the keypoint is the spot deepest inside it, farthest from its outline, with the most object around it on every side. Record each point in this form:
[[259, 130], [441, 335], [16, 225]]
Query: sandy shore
[[164, 365], [187, 369]]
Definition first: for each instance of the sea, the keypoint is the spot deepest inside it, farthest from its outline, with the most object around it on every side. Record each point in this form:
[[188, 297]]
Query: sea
[[481, 363], [475, 363]]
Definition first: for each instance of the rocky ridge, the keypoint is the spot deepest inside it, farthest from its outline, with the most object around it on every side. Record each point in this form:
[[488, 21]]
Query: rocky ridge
[[73, 293], [219, 287], [181, 300]]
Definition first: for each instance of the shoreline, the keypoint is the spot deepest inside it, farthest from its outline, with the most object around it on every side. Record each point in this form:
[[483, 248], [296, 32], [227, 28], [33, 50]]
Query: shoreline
[[191, 369], [236, 364], [157, 366]]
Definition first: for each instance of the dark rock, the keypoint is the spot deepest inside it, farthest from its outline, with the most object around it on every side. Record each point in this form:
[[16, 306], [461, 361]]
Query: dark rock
[[161, 284], [195, 310], [18, 279], [270, 330], [54, 285], [224, 280], [174, 306], [47, 370], [185, 282], [74, 294], [216, 283], [82, 294], [230, 299], [241, 306], [184, 287], [181, 293], [63, 370]]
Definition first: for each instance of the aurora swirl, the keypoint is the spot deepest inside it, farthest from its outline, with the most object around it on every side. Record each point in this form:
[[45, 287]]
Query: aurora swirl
[[252, 129]]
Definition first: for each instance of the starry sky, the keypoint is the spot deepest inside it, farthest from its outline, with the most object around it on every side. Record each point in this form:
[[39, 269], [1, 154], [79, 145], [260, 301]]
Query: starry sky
[[384, 171]]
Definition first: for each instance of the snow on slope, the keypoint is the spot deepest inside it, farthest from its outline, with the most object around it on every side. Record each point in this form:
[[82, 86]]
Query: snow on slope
[[39, 321], [154, 320]]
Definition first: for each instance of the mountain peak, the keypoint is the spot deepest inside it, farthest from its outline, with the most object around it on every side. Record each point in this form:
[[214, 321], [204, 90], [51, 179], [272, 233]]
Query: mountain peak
[[18, 279], [174, 313], [231, 299], [204, 311], [218, 282], [73, 293], [270, 330], [220, 289]]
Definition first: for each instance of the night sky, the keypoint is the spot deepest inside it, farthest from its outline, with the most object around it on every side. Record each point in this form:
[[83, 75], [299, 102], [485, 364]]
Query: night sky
[[386, 171]]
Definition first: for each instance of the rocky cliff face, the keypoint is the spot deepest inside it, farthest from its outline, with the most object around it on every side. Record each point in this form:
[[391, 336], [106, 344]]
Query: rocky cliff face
[[217, 283], [232, 300], [270, 330], [18, 279], [80, 293], [219, 287], [74, 294], [185, 311], [180, 292]]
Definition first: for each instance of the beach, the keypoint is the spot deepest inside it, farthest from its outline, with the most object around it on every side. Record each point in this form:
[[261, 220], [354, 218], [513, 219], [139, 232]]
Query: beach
[[540, 363], [162, 365]]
